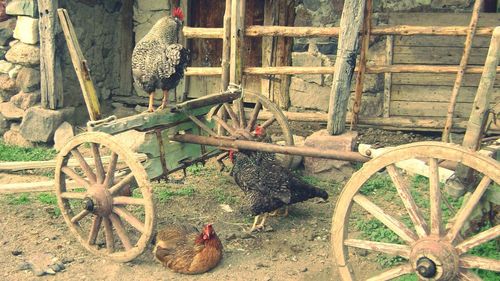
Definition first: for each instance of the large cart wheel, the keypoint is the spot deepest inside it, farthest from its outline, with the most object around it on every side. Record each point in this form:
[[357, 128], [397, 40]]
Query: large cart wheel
[[426, 236], [241, 125], [97, 201]]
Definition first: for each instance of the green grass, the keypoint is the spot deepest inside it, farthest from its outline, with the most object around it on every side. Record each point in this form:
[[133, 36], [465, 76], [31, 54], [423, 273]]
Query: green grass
[[223, 197], [21, 199], [166, 194], [195, 169], [14, 153], [379, 181], [490, 250], [49, 199]]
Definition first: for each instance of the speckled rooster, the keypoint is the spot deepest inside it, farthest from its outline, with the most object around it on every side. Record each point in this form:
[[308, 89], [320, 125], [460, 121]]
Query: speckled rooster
[[158, 61]]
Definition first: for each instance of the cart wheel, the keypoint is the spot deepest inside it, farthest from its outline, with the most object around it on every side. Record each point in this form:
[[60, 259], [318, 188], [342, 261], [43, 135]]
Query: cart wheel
[[419, 230], [98, 198], [239, 127]]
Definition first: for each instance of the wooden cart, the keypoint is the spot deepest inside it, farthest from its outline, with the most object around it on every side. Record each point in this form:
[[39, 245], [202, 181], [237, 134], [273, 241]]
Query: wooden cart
[[107, 199]]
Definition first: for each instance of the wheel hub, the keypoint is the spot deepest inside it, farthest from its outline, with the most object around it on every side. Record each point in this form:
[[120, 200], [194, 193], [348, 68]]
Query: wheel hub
[[434, 259], [99, 200]]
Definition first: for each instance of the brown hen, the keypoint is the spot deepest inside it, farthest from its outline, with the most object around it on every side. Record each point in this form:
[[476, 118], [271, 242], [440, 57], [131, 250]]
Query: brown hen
[[184, 249]]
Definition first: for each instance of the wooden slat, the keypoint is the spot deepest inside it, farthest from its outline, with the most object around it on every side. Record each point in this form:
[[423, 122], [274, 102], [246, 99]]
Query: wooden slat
[[436, 93], [442, 19], [439, 41], [127, 43], [387, 248], [437, 55], [427, 109], [436, 79], [389, 55]]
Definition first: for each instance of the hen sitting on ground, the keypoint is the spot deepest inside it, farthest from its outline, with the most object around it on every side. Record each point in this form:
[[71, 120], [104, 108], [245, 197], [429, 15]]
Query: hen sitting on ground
[[184, 249]]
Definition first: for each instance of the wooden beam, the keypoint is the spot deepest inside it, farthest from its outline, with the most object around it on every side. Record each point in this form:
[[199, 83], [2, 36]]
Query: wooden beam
[[463, 65], [389, 47], [51, 86], [350, 25], [126, 46], [226, 47]]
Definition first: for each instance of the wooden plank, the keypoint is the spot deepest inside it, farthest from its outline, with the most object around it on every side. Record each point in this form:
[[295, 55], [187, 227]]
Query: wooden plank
[[436, 79], [389, 57], [437, 55], [428, 109], [350, 25], [439, 41], [126, 46], [442, 19], [226, 40], [51, 84], [436, 93]]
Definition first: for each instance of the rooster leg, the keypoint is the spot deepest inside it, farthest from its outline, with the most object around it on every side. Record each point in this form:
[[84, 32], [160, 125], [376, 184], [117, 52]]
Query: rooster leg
[[276, 212], [164, 101], [151, 99], [259, 226]]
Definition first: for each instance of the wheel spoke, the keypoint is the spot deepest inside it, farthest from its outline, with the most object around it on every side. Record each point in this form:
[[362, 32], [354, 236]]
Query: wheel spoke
[[268, 122], [122, 234], [479, 262], [73, 195], [94, 230], [79, 216], [76, 177], [392, 273], [478, 239], [123, 182], [435, 198], [467, 208], [241, 110], [129, 217], [108, 232], [110, 173], [202, 125], [232, 115], [387, 248], [392, 223], [84, 165], [224, 125], [405, 195], [253, 117], [98, 162], [468, 275], [126, 200]]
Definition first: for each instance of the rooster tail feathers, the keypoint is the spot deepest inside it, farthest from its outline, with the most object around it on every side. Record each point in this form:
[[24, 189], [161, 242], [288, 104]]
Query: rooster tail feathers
[[304, 189]]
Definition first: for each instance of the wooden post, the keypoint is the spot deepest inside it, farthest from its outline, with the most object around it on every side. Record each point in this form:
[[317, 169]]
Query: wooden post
[[51, 86], [184, 85], [226, 40], [365, 44], [350, 25], [237, 43], [127, 44], [389, 48], [460, 74], [480, 107]]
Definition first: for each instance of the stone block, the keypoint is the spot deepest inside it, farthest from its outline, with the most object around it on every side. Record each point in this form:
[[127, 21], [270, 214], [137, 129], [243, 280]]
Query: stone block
[[62, 135], [8, 88], [327, 169], [4, 125], [308, 59], [14, 137], [24, 54], [39, 124], [309, 95], [447, 3], [22, 8], [28, 79], [3, 51], [26, 100], [27, 30], [297, 159], [14, 71], [5, 66], [153, 5], [11, 112], [7, 31], [3, 14]]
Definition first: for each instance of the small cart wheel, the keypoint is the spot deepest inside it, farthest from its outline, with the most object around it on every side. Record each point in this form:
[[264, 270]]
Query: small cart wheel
[[239, 127], [410, 220], [94, 178]]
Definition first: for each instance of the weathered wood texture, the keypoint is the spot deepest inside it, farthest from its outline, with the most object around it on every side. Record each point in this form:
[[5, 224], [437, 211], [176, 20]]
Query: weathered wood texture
[[350, 25], [127, 44], [51, 84]]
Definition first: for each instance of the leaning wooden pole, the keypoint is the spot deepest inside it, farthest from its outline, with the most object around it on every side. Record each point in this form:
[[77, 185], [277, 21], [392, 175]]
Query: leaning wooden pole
[[463, 64], [350, 25], [226, 43], [365, 44]]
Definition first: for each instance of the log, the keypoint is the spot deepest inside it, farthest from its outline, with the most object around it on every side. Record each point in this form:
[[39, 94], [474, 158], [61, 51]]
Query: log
[[307, 31], [127, 43], [350, 24], [365, 43], [226, 41], [389, 47], [51, 84], [463, 64]]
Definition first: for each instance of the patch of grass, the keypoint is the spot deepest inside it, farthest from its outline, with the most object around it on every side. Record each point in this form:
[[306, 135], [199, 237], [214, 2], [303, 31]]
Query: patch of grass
[[223, 197], [21, 199], [15, 153], [311, 180], [195, 169], [409, 277], [49, 199], [490, 250], [165, 194], [375, 183], [375, 230]]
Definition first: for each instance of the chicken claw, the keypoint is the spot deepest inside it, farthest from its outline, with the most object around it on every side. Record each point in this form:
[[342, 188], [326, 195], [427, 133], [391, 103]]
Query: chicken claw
[[260, 226]]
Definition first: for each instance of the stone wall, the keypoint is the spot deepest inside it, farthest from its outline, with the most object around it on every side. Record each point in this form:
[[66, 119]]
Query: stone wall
[[311, 92]]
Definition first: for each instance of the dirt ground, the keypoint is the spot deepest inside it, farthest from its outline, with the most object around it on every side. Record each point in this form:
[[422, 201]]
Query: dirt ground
[[291, 248]]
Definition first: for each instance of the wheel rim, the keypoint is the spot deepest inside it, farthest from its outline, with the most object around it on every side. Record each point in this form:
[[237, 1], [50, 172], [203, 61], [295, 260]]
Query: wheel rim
[[235, 127], [427, 247], [102, 213]]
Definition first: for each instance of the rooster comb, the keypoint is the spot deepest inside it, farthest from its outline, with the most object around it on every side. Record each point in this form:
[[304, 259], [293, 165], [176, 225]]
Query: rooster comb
[[177, 13]]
